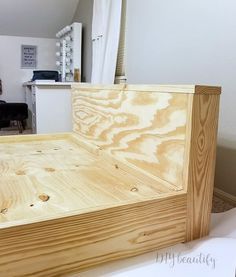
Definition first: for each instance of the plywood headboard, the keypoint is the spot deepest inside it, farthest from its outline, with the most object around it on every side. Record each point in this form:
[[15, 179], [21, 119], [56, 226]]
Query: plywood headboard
[[144, 126]]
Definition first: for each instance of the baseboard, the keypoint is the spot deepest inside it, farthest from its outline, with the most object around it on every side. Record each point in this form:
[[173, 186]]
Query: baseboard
[[225, 196]]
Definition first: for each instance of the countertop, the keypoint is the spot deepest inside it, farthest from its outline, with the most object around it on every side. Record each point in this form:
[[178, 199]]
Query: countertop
[[47, 83]]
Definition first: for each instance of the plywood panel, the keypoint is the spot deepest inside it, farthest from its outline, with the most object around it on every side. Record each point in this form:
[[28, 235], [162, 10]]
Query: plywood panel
[[71, 177], [144, 129]]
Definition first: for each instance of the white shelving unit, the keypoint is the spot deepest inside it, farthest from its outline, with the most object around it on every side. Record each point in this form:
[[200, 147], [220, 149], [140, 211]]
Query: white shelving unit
[[69, 51]]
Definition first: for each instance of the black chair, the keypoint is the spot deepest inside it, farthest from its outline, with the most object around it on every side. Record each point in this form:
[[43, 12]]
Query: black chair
[[13, 112]]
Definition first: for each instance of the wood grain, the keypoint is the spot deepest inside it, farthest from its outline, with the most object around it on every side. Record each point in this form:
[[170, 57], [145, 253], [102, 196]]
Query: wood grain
[[71, 244], [201, 163], [136, 175], [145, 130], [186, 89], [72, 177]]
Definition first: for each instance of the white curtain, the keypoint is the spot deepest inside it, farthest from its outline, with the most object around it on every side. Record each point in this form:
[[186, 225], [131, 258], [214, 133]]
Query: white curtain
[[105, 37]]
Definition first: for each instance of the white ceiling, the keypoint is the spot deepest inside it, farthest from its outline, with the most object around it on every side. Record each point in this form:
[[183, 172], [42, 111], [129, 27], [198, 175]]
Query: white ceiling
[[35, 18]]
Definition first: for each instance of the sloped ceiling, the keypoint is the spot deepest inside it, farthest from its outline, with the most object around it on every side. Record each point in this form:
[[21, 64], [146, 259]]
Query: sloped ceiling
[[35, 18]]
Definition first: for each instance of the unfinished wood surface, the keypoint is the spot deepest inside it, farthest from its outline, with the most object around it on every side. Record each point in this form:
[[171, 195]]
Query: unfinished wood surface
[[52, 176], [137, 175], [186, 89], [144, 129], [71, 244], [200, 163]]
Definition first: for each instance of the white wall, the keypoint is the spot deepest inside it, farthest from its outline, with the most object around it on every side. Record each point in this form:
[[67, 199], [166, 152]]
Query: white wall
[[11, 74], [35, 18], [189, 42]]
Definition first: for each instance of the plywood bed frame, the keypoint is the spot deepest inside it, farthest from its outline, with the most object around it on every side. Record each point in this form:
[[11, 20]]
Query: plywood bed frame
[[135, 175]]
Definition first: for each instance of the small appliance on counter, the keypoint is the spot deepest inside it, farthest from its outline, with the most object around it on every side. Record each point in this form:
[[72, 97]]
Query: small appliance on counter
[[45, 75]]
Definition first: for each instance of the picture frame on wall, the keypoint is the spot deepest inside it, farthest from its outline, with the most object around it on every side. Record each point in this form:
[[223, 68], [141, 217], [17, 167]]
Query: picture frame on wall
[[29, 56]]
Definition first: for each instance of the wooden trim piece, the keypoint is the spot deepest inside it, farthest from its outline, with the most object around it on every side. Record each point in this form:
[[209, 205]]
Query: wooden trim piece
[[202, 156], [142, 175], [188, 89], [187, 142], [91, 87], [72, 244], [147, 88], [207, 90], [231, 199], [30, 138]]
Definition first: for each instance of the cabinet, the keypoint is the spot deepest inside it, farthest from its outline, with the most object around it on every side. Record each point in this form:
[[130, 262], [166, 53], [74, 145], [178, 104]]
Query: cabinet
[[49, 107]]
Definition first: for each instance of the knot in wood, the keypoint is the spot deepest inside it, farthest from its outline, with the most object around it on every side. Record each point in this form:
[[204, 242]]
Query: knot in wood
[[44, 197], [134, 189]]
